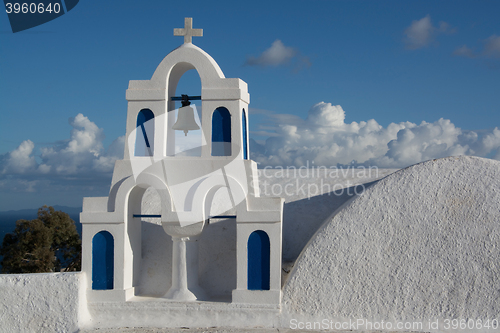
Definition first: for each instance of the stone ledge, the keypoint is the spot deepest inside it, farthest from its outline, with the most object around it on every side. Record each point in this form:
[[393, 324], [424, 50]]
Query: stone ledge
[[162, 313]]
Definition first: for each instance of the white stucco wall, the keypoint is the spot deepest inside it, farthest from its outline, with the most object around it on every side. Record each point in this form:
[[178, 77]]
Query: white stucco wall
[[47, 302], [422, 244]]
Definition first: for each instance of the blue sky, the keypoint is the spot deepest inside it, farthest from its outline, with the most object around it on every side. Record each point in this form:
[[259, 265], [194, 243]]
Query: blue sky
[[381, 69]]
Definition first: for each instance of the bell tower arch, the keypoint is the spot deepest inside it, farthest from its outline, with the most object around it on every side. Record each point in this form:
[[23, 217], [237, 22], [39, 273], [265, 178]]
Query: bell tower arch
[[216, 91]]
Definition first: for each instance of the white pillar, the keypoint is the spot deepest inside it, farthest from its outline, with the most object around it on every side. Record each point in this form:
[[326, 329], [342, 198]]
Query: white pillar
[[185, 270]]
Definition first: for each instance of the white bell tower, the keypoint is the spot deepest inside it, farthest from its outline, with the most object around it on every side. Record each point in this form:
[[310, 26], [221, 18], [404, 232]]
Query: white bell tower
[[186, 186]]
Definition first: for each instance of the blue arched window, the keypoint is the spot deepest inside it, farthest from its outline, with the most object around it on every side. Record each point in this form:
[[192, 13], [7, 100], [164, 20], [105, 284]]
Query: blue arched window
[[221, 132], [144, 142], [102, 261], [245, 134], [259, 261]]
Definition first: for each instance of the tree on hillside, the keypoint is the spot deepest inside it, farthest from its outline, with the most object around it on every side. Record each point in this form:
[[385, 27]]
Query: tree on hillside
[[46, 244]]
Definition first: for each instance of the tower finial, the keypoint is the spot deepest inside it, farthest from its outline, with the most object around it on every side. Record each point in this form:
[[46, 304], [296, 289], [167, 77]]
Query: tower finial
[[188, 32]]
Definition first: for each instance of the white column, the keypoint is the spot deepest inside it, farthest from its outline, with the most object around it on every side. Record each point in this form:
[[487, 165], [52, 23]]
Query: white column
[[185, 270]]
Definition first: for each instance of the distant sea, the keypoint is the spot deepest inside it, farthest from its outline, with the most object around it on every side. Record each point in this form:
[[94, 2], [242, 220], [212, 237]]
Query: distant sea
[[8, 219]]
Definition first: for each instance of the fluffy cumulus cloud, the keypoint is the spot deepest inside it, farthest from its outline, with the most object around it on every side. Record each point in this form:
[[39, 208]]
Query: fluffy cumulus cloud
[[325, 139], [422, 32], [80, 156], [278, 54], [20, 160], [79, 153]]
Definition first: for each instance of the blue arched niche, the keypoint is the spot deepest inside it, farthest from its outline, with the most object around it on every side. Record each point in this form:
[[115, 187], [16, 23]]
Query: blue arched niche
[[245, 134], [102, 261], [221, 132], [145, 133], [259, 261]]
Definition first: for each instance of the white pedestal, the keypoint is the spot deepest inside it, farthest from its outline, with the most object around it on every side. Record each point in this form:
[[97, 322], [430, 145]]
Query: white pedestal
[[185, 271], [184, 262]]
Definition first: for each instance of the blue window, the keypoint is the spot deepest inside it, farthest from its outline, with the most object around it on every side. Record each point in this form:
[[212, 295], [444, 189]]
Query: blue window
[[102, 261], [245, 134], [221, 132], [144, 142], [259, 261]]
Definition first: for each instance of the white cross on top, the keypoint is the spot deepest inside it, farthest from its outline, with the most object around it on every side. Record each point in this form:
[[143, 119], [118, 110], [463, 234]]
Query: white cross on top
[[188, 32]]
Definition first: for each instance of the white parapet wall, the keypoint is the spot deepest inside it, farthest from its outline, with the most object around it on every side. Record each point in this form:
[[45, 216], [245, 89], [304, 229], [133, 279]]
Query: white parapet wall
[[45, 302]]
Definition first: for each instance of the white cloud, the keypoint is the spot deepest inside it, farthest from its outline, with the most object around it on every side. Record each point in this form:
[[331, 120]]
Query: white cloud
[[21, 159], [421, 32], [446, 28], [278, 54], [326, 115], [9, 185], [464, 51], [423, 142], [325, 139], [492, 47], [79, 154], [106, 162], [85, 136], [82, 154]]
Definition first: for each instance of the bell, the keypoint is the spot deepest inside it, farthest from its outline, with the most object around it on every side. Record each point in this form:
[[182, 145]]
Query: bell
[[185, 119]]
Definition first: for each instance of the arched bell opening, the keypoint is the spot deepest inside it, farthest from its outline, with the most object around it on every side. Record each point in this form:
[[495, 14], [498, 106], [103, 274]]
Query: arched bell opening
[[145, 133], [186, 121], [221, 132]]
